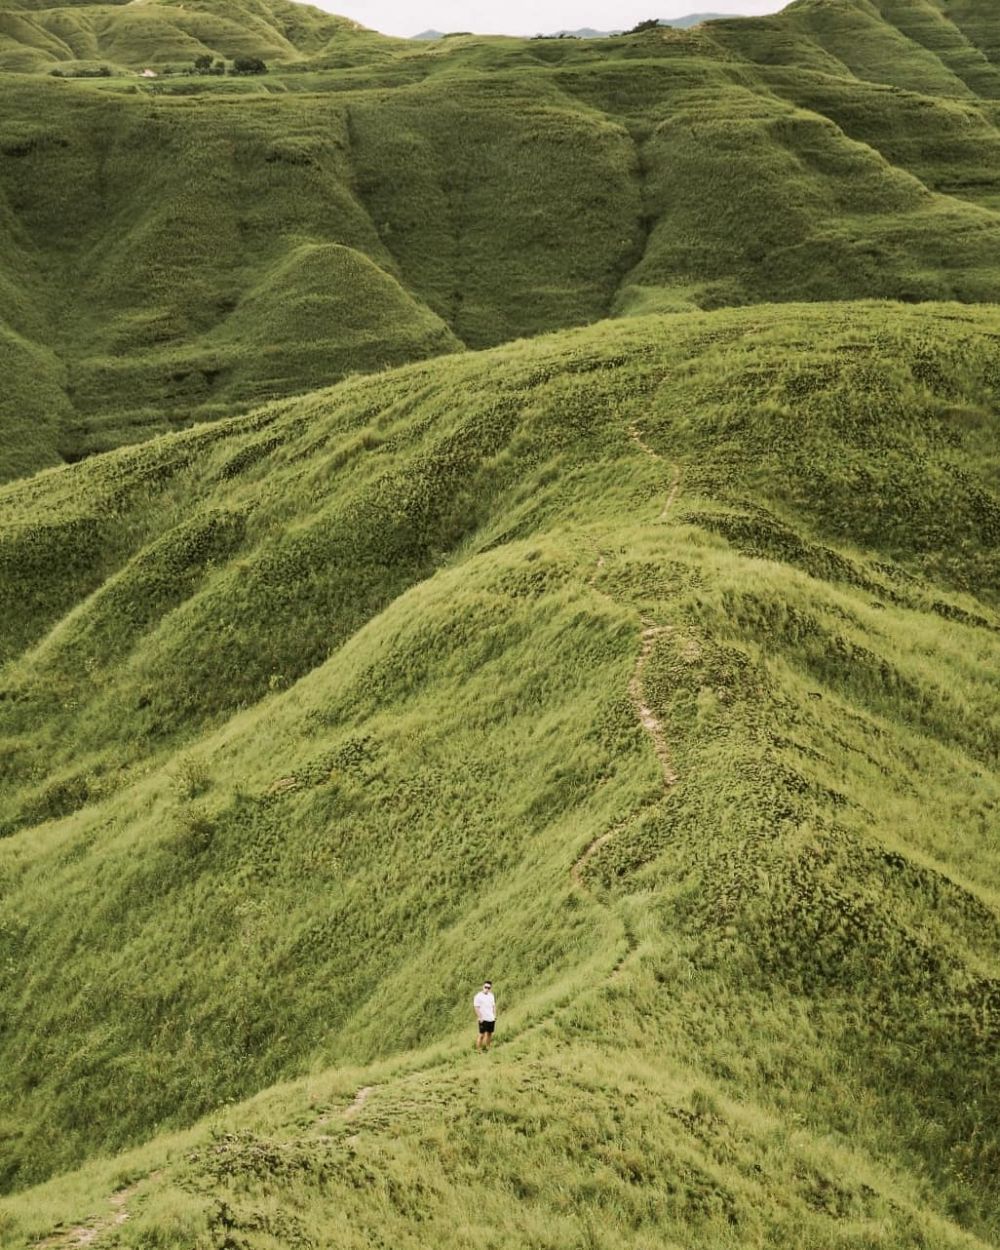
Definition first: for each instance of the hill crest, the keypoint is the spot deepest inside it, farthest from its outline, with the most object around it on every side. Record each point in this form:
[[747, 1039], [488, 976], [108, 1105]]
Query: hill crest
[[281, 693], [530, 511]]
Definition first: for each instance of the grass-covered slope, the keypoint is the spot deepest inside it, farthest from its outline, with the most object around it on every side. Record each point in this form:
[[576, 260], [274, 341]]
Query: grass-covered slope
[[147, 33], [184, 246], [165, 244], [650, 669]]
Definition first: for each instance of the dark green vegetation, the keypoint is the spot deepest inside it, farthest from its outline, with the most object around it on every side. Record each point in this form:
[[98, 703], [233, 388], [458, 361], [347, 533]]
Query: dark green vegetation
[[312, 718], [648, 666], [180, 249]]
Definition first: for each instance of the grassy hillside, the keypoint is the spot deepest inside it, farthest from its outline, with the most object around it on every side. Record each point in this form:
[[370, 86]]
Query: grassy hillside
[[649, 669], [158, 33], [180, 250], [643, 657]]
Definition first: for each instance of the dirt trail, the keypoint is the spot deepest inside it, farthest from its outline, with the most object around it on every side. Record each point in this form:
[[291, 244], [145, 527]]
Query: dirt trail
[[650, 634], [644, 447], [653, 727], [347, 1113], [576, 872], [647, 717], [675, 487], [360, 1098], [87, 1234]]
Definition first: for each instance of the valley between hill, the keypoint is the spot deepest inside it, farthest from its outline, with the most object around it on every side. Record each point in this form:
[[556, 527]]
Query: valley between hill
[[510, 508], [181, 250]]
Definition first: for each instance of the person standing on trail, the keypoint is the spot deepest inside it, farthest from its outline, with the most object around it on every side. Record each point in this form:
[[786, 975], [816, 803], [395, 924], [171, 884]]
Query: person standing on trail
[[485, 1007]]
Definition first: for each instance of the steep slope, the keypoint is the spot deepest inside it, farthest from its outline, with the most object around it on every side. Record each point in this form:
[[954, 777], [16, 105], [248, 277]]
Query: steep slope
[[934, 26], [510, 207], [501, 187], [874, 49], [156, 293], [676, 636], [33, 403], [325, 302], [34, 407]]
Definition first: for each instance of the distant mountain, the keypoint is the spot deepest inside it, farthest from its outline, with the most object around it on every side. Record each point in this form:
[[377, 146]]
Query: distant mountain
[[586, 33], [682, 23], [694, 19]]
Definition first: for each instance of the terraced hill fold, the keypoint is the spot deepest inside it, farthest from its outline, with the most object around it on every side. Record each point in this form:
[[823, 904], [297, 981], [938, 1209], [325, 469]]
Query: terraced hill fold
[[488, 188], [649, 668]]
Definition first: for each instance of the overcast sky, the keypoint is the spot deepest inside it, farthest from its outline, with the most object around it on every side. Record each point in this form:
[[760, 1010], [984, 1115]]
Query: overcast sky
[[527, 17]]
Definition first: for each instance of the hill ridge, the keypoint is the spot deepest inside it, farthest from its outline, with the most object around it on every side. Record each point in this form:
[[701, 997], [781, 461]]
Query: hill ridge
[[276, 788], [529, 511]]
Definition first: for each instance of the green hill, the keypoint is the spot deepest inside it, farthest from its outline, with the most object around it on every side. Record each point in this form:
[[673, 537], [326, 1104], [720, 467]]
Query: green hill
[[510, 508], [140, 33], [489, 188], [649, 669]]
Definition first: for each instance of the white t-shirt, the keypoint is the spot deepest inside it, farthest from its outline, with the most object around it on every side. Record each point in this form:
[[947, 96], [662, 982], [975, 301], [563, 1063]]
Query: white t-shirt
[[485, 1005]]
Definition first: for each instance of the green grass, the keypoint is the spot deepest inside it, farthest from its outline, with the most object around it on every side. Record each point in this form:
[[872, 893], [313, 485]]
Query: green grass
[[179, 250], [306, 728], [163, 35], [323, 689]]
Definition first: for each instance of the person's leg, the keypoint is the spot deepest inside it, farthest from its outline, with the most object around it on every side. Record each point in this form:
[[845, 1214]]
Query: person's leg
[[479, 1039], [489, 1039]]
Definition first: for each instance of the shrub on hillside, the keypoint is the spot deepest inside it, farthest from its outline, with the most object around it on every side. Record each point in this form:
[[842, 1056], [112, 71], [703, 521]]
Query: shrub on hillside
[[206, 64], [249, 65], [81, 71], [651, 23]]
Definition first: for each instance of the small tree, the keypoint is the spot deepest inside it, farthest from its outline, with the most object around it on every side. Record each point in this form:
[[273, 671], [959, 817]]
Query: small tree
[[651, 23], [248, 65], [203, 63]]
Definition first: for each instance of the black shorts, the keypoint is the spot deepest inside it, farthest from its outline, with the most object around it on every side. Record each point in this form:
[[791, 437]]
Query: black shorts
[[486, 1026]]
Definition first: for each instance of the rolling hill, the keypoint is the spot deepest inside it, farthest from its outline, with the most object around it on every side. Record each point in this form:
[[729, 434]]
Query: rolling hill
[[137, 33], [509, 508], [489, 188], [649, 668]]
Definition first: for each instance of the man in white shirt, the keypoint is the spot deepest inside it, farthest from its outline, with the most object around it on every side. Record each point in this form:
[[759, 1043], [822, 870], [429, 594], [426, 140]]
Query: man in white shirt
[[485, 1007]]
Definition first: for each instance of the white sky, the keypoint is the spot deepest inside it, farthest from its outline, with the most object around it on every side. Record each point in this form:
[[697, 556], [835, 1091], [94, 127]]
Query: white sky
[[527, 17]]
